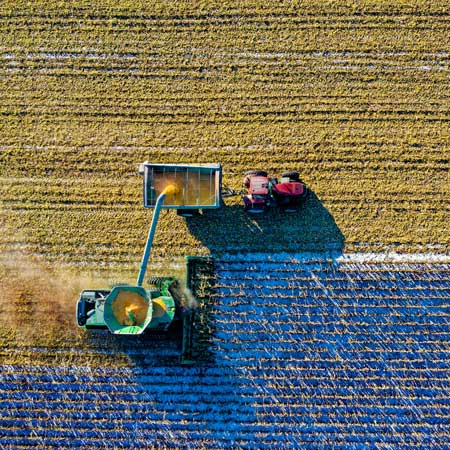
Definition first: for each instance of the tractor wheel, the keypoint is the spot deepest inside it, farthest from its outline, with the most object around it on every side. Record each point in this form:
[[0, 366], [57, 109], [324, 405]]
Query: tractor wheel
[[293, 175], [307, 193]]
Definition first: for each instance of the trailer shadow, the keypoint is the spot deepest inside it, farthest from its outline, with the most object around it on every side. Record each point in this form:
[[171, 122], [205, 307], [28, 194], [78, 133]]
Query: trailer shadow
[[232, 230]]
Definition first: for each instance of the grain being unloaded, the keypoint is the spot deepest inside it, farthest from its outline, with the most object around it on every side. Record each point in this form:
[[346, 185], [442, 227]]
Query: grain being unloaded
[[200, 188], [171, 186], [189, 189], [130, 308]]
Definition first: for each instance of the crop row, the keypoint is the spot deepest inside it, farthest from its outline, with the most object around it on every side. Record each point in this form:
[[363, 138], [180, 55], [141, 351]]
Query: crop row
[[266, 32], [89, 93], [307, 368], [227, 8], [126, 140], [134, 381], [279, 388], [351, 155], [344, 408], [140, 375], [24, 100], [306, 135]]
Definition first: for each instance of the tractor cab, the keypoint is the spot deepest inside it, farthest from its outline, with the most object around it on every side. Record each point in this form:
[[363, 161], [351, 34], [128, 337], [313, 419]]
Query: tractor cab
[[258, 191], [288, 187], [262, 192]]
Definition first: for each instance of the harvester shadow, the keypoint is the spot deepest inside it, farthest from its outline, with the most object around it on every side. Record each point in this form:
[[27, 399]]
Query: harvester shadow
[[151, 349], [232, 230], [222, 386], [156, 348]]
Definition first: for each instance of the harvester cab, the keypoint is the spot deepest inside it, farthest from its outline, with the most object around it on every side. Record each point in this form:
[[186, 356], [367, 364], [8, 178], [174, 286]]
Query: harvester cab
[[133, 309]]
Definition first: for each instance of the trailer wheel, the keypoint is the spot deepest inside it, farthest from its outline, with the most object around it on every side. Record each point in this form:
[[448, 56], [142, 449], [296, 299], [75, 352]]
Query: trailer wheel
[[293, 175], [188, 212]]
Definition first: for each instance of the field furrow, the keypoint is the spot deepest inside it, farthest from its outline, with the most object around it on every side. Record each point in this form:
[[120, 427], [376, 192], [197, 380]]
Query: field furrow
[[355, 98], [305, 351]]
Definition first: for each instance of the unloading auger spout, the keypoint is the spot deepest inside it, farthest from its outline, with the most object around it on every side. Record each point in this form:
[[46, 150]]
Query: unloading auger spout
[[160, 306], [172, 189]]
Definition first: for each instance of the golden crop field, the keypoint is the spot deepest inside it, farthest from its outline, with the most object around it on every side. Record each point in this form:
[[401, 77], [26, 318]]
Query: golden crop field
[[354, 95], [293, 349]]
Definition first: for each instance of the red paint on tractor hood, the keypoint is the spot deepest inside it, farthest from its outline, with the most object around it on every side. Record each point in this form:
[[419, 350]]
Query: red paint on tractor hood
[[292, 189]]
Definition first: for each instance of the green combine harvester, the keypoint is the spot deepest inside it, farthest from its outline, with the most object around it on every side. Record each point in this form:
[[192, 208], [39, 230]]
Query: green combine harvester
[[133, 309]]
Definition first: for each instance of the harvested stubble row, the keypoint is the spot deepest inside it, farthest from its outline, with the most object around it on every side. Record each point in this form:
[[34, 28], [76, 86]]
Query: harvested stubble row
[[306, 354], [353, 95]]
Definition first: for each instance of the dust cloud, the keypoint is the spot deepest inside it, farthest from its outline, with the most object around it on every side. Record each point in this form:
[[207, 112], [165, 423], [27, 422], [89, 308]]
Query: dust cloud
[[35, 298], [184, 296]]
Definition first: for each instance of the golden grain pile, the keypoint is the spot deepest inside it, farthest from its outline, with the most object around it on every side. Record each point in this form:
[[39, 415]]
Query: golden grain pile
[[129, 308], [352, 94]]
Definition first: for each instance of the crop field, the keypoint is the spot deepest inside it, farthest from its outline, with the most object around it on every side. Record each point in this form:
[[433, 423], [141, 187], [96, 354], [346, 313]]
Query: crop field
[[305, 354], [353, 95], [313, 333]]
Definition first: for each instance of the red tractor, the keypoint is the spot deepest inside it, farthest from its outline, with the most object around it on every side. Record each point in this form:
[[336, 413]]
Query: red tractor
[[263, 192]]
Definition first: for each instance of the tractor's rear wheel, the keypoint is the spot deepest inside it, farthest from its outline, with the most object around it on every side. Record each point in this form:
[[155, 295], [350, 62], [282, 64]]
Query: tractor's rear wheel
[[293, 175], [257, 173]]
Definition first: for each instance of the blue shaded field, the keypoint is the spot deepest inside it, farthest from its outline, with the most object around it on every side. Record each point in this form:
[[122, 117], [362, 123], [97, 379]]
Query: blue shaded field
[[306, 355]]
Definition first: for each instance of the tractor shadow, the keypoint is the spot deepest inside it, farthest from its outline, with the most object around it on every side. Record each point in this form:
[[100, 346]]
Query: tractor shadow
[[232, 230], [312, 229]]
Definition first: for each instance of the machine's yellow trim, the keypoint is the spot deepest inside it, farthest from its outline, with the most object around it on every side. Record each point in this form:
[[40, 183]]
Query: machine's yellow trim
[[159, 308]]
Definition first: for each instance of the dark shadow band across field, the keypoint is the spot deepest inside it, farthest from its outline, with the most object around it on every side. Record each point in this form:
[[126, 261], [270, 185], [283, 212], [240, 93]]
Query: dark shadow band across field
[[230, 229]]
